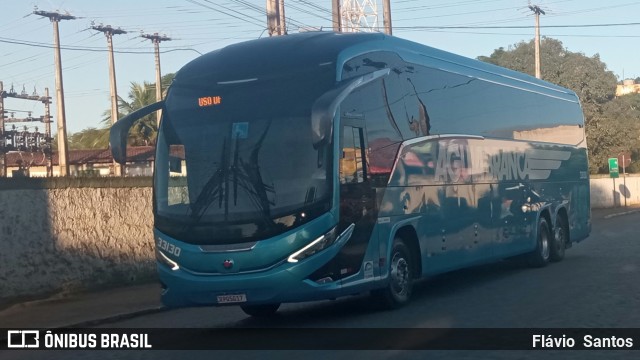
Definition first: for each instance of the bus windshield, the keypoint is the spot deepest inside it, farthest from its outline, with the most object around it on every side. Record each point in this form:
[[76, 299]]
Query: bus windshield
[[235, 163]]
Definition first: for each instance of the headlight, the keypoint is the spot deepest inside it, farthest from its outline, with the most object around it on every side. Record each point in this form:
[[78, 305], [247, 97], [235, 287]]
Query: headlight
[[315, 246], [164, 259]]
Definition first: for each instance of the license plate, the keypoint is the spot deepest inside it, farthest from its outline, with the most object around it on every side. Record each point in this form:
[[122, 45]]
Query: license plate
[[232, 298]]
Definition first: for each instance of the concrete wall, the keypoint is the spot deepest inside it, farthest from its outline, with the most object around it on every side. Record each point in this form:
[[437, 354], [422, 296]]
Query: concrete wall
[[70, 234], [607, 192], [61, 234]]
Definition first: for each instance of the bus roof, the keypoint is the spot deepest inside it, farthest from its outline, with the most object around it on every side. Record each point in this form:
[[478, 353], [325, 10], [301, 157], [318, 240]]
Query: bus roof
[[290, 53]]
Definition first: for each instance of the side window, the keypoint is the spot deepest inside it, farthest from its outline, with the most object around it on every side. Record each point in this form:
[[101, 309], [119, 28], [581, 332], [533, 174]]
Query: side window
[[397, 99], [352, 163]]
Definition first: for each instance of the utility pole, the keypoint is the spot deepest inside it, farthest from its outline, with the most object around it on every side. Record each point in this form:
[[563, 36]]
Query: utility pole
[[336, 15], [109, 32], [3, 140], [157, 39], [47, 131], [63, 155], [281, 19], [275, 18], [386, 17], [537, 11]]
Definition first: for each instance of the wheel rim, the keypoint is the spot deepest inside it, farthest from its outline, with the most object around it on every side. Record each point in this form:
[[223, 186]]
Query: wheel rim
[[544, 239], [560, 238], [400, 276]]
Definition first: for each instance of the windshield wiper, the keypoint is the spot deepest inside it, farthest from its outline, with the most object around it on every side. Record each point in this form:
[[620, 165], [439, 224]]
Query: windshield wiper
[[252, 182], [213, 189], [244, 175]]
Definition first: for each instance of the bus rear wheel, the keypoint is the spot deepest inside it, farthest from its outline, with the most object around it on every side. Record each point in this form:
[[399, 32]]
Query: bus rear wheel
[[560, 239], [541, 255], [264, 310], [398, 290]]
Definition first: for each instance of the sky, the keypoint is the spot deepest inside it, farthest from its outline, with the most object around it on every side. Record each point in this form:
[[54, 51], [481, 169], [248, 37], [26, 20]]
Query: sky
[[470, 28]]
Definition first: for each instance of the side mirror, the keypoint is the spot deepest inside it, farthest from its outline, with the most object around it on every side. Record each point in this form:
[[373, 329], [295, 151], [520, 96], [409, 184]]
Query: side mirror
[[120, 131], [324, 108]]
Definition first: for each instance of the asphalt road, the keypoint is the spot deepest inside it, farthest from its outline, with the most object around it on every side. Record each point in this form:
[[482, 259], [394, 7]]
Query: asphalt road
[[595, 286]]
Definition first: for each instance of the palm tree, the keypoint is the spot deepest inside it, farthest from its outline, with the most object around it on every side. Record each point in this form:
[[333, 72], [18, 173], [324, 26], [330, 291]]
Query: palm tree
[[89, 138], [145, 130]]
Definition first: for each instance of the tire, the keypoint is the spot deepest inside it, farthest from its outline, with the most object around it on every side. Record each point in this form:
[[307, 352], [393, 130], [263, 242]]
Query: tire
[[541, 255], [265, 310], [559, 239], [397, 293]]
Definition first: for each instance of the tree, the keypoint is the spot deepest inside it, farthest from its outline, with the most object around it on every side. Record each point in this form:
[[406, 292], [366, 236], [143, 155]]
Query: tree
[[623, 114], [140, 95], [589, 78], [143, 131], [90, 138]]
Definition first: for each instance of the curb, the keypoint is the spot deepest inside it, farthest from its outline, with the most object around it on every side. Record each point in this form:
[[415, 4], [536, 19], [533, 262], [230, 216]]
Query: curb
[[621, 214], [114, 318]]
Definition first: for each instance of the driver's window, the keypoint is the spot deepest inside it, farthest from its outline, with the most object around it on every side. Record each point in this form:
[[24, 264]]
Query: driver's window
[[352, 166]]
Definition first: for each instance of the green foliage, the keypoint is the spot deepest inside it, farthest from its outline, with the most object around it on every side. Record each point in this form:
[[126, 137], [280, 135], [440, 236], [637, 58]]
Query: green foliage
[[623, 115], [143, 132], [612, 124], [587, 76], [90, 138]]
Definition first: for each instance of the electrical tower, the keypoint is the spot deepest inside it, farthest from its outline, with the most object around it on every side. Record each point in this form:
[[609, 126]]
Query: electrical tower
[[24, 140], [361, 16], [157, 39], [63, 154], [109, 32]]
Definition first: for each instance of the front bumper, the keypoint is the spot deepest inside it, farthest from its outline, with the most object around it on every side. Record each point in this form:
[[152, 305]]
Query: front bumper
[[287, 282]]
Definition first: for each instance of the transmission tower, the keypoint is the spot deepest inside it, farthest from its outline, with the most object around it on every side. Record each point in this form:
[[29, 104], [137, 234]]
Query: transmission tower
[[360, 16]]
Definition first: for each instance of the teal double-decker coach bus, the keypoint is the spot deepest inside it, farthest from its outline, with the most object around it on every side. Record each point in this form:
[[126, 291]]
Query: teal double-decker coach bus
[[320, 165]]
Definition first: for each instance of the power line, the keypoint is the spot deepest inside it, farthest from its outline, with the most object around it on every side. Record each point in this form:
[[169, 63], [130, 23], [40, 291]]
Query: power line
[[229, 12], [526, 34], [517, 27], [79, 48]]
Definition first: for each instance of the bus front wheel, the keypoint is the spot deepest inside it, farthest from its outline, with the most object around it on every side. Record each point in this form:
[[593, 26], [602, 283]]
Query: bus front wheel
[[398, 290]]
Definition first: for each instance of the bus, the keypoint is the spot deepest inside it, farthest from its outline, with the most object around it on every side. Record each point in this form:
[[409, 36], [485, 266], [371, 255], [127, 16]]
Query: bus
[[320, 165]]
